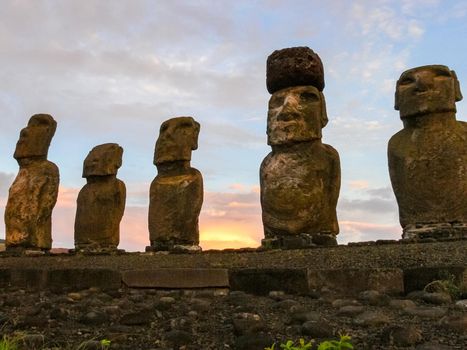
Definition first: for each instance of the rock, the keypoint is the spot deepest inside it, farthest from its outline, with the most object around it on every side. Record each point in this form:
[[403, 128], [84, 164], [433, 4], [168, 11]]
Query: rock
[[176, 194], [286, 304], [294, 66], [277, 295], [200, 305], [178, 337], [338, 303], [403, 335], [402, 304], [455, 323], [33, 194], [59, 313], [318, 329], [436, 287], [350, 310], [426, 312], [101, 202], [253, 341], [181, 323], [437, 298], [431, 132], [136, 318], [244, 323], [374, 298], [371, 319], [75, 296], [304, 316], [94, 318], [461, 304]]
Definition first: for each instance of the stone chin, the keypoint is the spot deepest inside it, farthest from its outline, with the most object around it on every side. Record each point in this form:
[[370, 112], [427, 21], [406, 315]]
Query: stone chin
[[423, 110]]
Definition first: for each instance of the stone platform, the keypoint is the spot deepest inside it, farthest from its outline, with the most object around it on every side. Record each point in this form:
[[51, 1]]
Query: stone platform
[[390, 267]]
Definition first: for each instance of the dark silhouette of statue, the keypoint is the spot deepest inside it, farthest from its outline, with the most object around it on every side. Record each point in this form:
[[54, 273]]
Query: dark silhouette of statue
[[428, 157], [176, 194], [33, 194]]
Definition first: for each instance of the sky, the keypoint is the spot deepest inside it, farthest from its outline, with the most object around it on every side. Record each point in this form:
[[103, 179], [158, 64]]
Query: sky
[[113, 71]]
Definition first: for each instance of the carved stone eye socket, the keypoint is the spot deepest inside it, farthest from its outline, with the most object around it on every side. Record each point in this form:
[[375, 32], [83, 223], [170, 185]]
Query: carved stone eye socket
[[308, 96], [277, 101], [406, 81]]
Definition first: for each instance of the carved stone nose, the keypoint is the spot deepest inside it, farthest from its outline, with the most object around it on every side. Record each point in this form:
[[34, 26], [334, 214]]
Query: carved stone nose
[[423, 82]]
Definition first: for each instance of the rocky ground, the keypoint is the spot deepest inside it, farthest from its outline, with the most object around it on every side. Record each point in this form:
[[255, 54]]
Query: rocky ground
[[218, 319]]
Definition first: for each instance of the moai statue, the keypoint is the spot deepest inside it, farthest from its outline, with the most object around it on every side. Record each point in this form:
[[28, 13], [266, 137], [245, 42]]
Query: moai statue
[[176, 194], [428, 157], [34, 192], [101, 202], [300, 178]]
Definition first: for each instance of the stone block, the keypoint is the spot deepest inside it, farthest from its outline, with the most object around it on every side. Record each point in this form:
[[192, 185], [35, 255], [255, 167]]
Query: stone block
[[354, 281], [418, 278], [5, 277], [77, 279], [28, 278], [176, 278], [262, 281]]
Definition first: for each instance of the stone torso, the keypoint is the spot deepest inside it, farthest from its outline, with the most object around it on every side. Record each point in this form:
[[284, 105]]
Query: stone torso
[[175, 204], [31, 200], [299, 190], [100, 207], [428, 168]]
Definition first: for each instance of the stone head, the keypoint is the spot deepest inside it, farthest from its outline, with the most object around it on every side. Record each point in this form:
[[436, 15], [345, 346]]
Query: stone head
[[296, 114], [294, 66], [427, 89], [177, 138], [34, 139], [103, 160]]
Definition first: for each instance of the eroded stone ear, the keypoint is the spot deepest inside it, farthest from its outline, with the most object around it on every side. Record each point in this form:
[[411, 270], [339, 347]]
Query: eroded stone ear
[[196, 127], [396, 97], [324, 114], [119, 152], [457, 87]]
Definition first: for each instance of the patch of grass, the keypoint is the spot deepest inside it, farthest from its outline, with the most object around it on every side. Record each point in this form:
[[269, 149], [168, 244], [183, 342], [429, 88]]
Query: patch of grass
[[8, 343], [342, 344]]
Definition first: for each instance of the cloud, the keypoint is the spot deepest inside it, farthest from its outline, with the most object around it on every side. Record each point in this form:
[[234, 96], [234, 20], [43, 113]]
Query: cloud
[[358, 231], [373, 205], [358, 184]]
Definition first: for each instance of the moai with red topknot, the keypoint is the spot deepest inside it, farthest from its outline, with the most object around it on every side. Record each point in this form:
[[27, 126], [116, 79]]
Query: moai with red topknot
[[300, 178]]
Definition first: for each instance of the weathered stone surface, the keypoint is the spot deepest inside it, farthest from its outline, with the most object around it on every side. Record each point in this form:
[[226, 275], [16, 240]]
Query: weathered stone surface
[[353, 281], [262, 281], [176, 278], [418, 278], [33, 194], [78, 279], [300, 178], [403, 336], [176, 194], [427, 157], [101, 202], [294, 66]]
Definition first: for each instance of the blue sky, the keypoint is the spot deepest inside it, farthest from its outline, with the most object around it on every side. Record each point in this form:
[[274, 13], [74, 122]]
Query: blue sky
[[113, 71]]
